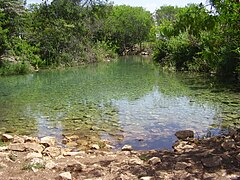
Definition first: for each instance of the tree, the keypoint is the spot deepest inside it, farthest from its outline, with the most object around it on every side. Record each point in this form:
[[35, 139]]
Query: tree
[[127, 26]]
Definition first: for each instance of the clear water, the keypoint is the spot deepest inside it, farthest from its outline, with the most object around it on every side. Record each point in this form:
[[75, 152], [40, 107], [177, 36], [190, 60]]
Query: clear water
[[130, 101]]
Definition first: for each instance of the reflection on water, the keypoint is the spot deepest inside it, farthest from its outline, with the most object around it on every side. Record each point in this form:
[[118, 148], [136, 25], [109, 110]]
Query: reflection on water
[[128, 101]]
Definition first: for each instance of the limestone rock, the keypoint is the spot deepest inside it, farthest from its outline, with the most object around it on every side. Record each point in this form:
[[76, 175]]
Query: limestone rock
[[181, 165], [147, 178], [18, 139], [95, 147], [213, 161], [35, 161], [3, 148], [7, 137], [183, 146], [31, 139], [50, 164], [154, 160], [184, 134], [33, 155], [17, 147], [33, 147], [65, 176], [52, 151], [137, 161], [4, 154], [48, 141], [127, 148], [71, 144], [73, 153]]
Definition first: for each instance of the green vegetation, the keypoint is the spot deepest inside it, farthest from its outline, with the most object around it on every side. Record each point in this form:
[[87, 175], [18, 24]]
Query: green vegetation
[[196, 39], [66, 33], [35, 166]]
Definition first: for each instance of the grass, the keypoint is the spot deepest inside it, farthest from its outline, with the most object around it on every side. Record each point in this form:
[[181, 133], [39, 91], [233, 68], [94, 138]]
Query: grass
[[36, 166]]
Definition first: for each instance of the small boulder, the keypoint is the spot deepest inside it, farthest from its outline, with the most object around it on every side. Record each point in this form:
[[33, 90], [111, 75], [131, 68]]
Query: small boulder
[[52, 151], [211, 162], [18, 139], [73, 153], [3, 148], [127, 148], [48, 141], [154, 160], [17, 147], [31, 139], [95, 147], [184, 134], [7, 137], [50, 164], [33, 147], [147, 178], [33, 155], [65, 176], [35, 161], [137, 161], [72, 144]]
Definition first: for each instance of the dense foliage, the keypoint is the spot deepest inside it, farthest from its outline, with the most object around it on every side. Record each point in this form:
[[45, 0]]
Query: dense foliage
[[194, 38], [66, 33]]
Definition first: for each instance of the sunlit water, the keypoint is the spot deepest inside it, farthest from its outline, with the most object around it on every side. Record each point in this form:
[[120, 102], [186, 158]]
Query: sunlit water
[[130, 101]]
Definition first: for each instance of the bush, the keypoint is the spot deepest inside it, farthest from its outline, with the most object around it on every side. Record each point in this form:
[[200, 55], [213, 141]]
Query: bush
[[9, 68]]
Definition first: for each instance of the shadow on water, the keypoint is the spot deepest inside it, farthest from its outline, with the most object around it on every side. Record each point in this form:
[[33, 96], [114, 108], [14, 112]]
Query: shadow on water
[[128, 101]]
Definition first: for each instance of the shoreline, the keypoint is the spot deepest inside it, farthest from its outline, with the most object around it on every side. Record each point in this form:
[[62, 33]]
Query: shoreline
[[216, 157]]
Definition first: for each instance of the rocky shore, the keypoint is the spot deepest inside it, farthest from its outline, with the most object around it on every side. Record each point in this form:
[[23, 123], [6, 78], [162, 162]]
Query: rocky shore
[[218, 157]]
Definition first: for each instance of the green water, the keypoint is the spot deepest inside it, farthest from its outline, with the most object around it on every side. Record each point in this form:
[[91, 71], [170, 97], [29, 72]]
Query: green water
[[130, 101]]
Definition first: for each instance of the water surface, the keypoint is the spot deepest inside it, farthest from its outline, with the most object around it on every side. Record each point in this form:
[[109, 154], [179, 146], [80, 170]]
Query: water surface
[[128, 101]]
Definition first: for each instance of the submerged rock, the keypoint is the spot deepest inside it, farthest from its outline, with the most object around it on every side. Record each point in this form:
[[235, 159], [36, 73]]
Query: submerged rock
[[184, 134]]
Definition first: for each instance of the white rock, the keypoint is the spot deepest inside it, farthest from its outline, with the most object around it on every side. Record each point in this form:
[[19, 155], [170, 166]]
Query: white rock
[[33, 147], [50, 164], [135, 161], [18, 139], [73, 153], [66, 175], [127, 148], [95, 146], [3, 148], [7, 137], [17, 147], [35, 161], [52, 151], [4, 154], [147, 178], [33, 155], [154, 160]]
